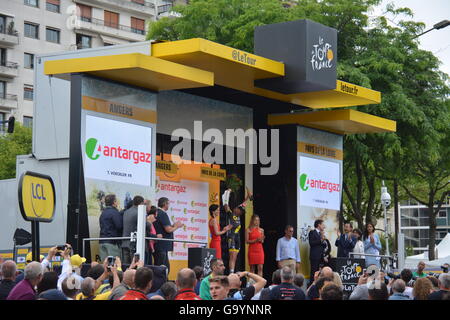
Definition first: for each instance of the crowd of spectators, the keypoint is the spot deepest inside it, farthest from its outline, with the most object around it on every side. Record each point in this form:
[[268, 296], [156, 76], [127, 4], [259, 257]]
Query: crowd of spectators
[[108, 281]]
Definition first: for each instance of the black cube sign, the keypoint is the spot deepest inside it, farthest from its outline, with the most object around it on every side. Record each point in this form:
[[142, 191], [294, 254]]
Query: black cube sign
[[350, 270], [307, 48]]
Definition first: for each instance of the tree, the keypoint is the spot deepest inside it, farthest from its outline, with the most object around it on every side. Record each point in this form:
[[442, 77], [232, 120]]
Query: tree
[[12, 145], [372, 54]]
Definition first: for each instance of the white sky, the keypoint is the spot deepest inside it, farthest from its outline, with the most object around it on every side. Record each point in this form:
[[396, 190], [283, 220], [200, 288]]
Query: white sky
[[429, 12]]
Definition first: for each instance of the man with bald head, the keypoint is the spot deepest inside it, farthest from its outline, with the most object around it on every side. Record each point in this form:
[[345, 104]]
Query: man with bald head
[[127, 284], [8, 270], [186, 281], [313, 291], [247, 293]]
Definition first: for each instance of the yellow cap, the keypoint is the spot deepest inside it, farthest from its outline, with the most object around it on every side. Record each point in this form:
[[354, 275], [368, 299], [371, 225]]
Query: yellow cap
[[76, 261], [29, 257]]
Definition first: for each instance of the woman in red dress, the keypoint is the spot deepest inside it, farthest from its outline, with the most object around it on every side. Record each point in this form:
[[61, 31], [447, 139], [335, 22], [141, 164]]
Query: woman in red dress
[[254, 236], [214, 228]]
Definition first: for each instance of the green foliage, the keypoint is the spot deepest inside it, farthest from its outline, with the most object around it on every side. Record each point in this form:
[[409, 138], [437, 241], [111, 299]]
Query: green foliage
[[12, 145], [372, 53]]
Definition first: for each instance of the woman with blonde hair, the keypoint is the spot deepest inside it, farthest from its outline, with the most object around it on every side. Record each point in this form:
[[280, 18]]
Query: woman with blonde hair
[[422, 289], [254, 236]]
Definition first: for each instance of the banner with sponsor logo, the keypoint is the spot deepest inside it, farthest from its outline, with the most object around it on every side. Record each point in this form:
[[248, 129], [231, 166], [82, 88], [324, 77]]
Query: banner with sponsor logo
[[190, 193], [118, 137], [319, 187]]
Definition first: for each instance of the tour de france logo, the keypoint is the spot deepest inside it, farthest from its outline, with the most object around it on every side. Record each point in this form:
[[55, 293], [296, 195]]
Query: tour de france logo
[[321, 56]]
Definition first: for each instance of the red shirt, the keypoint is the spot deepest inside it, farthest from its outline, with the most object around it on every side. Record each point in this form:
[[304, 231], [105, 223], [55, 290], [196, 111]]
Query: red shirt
[[187, 294], [134, 295]]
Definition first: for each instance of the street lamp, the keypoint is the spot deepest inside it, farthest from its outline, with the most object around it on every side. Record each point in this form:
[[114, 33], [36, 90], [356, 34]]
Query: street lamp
[[437, 26], [385, 202]]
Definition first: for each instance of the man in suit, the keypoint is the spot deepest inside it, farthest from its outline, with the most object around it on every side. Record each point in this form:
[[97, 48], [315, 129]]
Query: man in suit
[[317, 245], [345, 242], [129, 226]]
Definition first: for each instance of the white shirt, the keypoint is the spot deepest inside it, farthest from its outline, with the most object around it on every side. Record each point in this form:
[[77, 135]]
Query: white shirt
[[359, 248]]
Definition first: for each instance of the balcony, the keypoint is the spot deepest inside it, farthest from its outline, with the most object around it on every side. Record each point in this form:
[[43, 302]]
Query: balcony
[[8, 101], [9, 36], [135, 7], [9, 70], [112, 29]]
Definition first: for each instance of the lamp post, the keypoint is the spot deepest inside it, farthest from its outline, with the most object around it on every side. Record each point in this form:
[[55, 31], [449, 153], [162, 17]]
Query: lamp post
[[385, 202], [437, 26]]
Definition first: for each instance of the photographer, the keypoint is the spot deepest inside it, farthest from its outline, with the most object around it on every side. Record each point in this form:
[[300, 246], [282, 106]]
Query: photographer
[[89, 286], [406, 275], [247, 293], [71, 265]]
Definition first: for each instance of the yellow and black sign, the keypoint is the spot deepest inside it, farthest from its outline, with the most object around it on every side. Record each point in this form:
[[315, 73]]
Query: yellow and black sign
[[212, 173], [36, 197], [166, 166], [319, 150]]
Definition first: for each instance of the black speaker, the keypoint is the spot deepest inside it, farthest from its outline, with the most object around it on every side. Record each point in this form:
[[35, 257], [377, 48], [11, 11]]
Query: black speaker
[[201, 257]]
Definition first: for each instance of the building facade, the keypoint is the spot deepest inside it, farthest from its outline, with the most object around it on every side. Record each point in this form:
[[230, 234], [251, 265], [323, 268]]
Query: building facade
[[32, 27], [414, 221]]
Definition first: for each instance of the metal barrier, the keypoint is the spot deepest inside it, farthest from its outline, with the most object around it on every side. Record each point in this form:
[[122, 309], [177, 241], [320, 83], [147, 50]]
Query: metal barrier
[[390, 258], [146, 238]]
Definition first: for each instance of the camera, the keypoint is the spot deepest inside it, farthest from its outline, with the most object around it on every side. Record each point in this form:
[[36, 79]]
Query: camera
[[136, 257], [385, 197], [60, 248], [393, 276], [445, 268], [111, 260]]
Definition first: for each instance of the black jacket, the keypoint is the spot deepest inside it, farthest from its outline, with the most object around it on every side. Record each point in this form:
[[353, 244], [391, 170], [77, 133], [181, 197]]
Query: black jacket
[[111, 224], [317, 246]]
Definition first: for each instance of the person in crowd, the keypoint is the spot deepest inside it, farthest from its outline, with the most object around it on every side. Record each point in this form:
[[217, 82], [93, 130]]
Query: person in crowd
[[218, 269], [398, 289], [111, 226], [317, 245], [321, 283], [361, 291], [219, 288], [337, 280], [359, 244], [406, 275], [164, 227], [143, 279], [422, 289], [288, 251], [378, 291], [51, 294], [299, 280], [313, 290], [199, 276], [214, 228], [264, 294], [89, 286], [254, 236], [8, 271], [25, 289], [345, 242], [434, 282], [130, 225], [186, 281], [331, 291], [168, 291], [126, 284], [71, 287], [152, 213], [444, 287], [372, 245], [248, 292], [419, 273], [286, 290], [71, 265], [49, 281], [45, 262]]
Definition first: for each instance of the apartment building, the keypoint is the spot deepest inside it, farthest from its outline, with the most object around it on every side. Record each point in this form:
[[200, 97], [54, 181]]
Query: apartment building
[[414, 223], [32, 27]]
